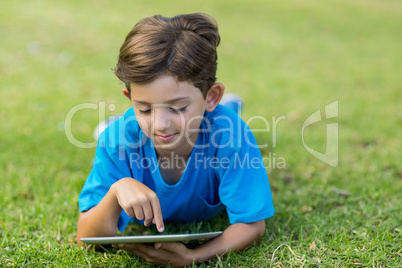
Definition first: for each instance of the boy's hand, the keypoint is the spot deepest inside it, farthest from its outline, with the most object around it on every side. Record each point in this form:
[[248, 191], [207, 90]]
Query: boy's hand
[[168, 253], [138, 201]]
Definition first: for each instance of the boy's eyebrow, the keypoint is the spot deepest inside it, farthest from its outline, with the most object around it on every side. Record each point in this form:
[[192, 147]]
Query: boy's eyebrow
[[169, 101]]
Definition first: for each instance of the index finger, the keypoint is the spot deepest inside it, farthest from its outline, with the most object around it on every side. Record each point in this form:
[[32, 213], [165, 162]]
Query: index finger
[[156, 208]]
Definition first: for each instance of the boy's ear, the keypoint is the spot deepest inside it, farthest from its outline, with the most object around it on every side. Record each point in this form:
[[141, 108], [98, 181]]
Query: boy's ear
[[126, 93], [214, 96]]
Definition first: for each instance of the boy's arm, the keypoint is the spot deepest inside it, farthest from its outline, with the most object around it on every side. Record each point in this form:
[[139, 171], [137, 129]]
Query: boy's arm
[[238, 236], [135, 198], [100, 220]]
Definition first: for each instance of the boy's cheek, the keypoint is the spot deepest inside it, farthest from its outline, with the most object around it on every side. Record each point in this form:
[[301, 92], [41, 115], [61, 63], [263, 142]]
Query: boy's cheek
[[145, 126]]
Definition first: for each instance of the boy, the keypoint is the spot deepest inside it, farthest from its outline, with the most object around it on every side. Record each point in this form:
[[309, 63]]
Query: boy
[[177, 155]]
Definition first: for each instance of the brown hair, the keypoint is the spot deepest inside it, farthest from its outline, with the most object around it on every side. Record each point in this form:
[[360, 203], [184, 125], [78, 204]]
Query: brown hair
[[183, 46]]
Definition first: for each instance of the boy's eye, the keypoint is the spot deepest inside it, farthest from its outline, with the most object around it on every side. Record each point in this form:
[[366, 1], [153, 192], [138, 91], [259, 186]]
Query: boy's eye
[[178, 110], [175, 110], [145, 111]]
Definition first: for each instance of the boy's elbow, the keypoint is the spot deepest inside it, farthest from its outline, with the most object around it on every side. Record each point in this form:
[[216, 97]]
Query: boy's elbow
[[260, 229], [82, 244], [87, 228], [79, 236], [79, 243]]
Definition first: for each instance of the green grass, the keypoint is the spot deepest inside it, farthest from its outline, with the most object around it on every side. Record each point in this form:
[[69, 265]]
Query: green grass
[[286, 58]]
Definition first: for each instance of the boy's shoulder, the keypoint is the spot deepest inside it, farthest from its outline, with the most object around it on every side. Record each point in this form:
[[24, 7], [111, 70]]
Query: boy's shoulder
[[225, 127], [223, 116], [122, 131]]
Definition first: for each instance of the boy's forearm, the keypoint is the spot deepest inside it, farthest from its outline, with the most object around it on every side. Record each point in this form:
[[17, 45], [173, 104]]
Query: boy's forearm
[[100, 220], [236, 237]]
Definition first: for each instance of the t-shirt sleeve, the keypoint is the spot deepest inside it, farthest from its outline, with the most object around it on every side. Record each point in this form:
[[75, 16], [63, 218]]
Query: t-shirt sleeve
[[107, 169], [244, 188]]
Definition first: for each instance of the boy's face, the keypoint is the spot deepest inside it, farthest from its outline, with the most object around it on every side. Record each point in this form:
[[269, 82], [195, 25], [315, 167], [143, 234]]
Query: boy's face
[[169, 112]]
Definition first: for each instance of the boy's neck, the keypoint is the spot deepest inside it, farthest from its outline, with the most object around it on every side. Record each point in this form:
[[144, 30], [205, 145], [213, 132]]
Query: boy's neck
[[168, 154]]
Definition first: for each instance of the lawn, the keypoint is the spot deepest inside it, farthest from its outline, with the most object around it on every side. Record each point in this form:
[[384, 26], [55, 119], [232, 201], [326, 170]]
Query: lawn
[[287, 59]]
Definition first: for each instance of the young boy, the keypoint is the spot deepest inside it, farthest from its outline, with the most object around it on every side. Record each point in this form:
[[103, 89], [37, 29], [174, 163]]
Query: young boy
[[177, 155]]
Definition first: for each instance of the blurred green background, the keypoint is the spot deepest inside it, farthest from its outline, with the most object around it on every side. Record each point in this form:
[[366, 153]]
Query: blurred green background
[[287, 58]]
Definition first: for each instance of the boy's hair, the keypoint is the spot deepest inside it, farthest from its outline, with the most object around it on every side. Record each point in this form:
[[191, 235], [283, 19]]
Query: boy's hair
[[183, 46]]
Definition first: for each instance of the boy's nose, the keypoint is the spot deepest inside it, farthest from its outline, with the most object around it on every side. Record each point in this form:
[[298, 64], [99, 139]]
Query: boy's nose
[[161, 121]]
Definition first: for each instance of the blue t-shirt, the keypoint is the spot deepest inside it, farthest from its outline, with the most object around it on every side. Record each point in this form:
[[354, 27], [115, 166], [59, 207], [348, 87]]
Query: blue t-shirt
[[224, 170]]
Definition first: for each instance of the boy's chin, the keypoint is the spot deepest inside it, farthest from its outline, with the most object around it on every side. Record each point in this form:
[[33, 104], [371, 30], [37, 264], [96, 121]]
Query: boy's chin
[[174, 145], [166, 145]]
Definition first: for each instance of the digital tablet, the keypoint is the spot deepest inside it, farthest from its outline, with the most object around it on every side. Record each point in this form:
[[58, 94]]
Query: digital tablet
[[148, 238]]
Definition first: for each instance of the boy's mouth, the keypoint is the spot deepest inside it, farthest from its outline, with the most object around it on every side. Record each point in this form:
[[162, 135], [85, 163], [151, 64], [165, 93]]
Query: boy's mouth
[[165, 138]]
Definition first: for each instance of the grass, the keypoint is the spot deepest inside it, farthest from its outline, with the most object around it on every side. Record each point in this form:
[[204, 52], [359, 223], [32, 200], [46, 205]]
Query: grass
[[286, 58]]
